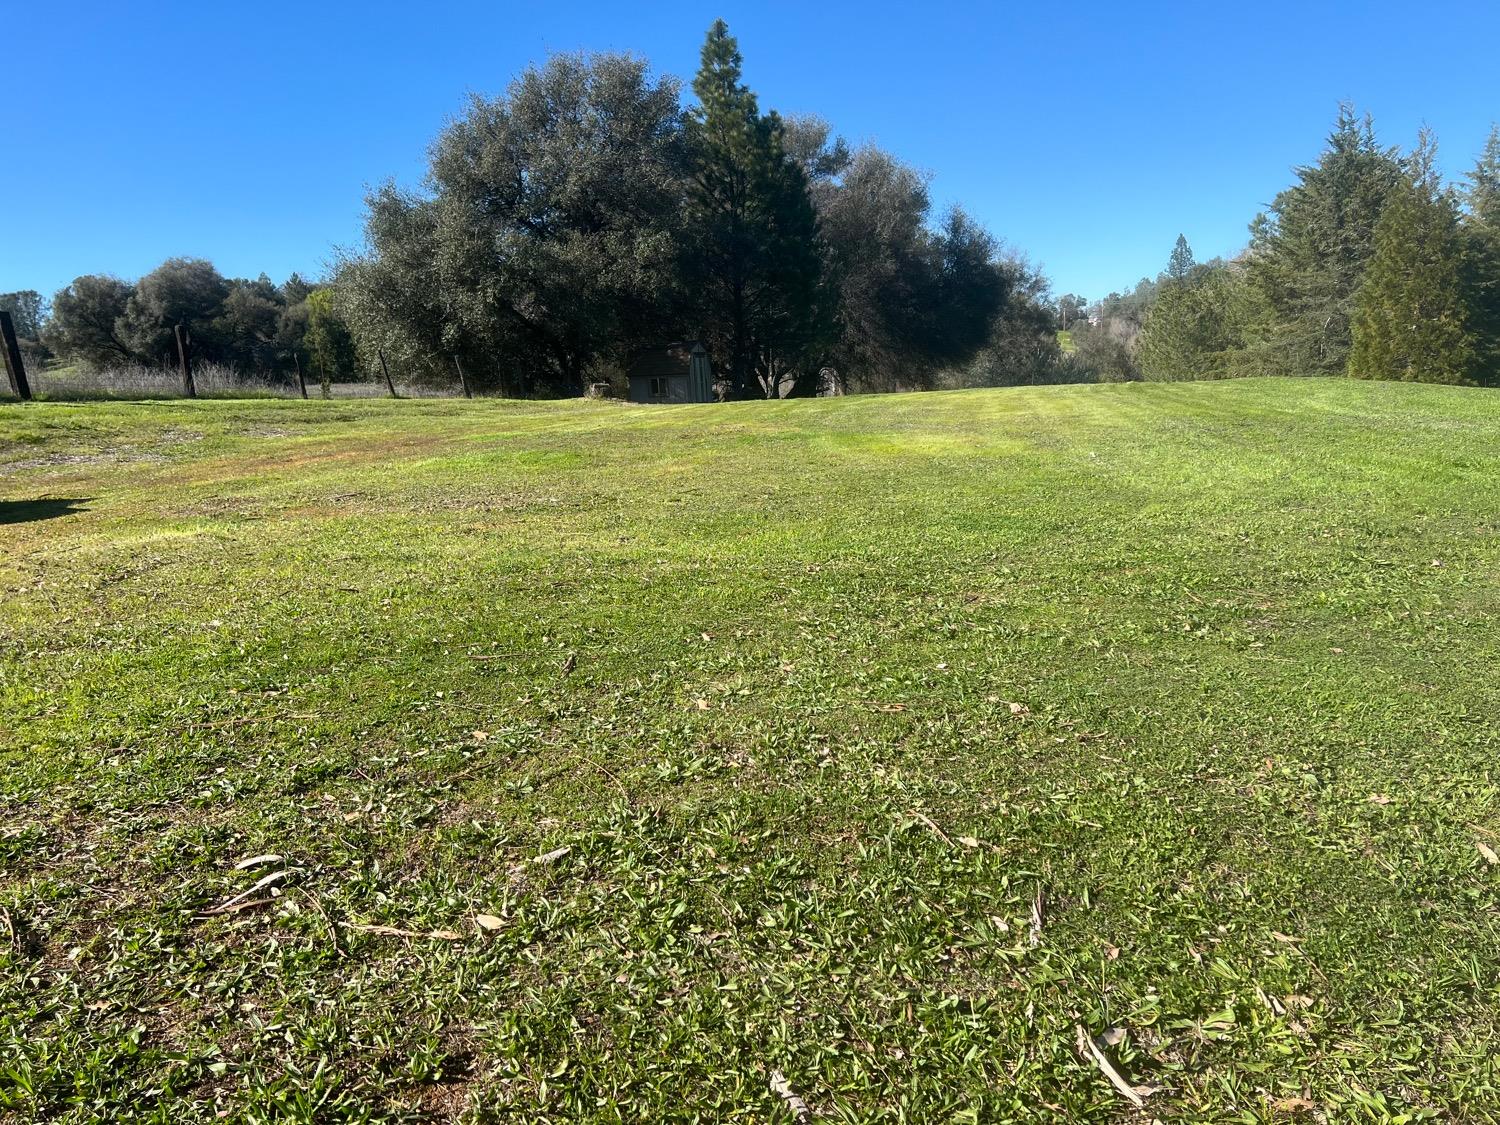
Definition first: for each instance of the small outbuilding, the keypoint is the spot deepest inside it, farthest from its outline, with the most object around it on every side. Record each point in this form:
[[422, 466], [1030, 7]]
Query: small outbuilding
[[678, 372]]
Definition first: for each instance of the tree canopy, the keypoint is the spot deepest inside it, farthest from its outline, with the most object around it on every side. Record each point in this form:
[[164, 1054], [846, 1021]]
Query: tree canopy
[[1180, 264], [1309, 251], [595, 209], [583, 215], [254, 325], [547, 240], [27, 311], [1368, 265], [1412, 321]]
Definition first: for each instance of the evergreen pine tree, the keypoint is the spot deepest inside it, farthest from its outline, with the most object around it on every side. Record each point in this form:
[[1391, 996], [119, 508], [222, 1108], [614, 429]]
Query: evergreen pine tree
[[1482, 192], [1308, 255], [1180, 264], [753, 258], [1411, 321], [1481, 234], [1192, 330]]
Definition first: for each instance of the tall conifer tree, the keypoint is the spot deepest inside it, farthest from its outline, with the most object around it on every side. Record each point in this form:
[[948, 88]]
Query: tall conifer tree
[[1309, 253], [753, 254], [1411, 321], [1482, 191], [1481, 233], [1180, 264]]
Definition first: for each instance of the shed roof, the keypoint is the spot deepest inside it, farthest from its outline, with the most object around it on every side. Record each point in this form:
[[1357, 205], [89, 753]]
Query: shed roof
[[664, 359]]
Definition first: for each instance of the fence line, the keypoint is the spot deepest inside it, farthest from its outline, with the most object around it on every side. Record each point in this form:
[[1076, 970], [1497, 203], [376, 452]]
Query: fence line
[[208, 380]]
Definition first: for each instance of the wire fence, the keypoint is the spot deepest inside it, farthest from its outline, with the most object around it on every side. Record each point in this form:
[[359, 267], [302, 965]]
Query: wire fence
[[211, 380]]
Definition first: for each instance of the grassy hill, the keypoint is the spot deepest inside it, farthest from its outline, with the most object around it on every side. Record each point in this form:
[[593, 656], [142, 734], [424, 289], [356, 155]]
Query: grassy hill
[[613, 762]]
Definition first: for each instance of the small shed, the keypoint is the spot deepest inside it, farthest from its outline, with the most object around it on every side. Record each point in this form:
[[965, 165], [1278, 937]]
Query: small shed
[[678, 372]]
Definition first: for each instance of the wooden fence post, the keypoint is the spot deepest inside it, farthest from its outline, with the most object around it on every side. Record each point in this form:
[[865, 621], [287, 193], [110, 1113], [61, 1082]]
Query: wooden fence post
[[185, 360], [386, 371], [301, 382], [14, 364], [462, 378]]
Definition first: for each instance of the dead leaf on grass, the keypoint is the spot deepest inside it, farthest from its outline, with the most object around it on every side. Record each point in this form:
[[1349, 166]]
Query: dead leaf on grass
[[1294, 1105]]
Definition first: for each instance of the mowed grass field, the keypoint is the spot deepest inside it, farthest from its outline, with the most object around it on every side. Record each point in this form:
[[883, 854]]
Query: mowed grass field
[[613, 763]]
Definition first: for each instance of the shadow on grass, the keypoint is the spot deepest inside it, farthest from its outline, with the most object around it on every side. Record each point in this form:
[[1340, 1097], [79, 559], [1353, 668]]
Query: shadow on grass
[[27, 511]]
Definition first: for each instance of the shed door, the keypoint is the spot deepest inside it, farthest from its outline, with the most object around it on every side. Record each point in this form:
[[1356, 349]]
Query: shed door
[[700, 378]]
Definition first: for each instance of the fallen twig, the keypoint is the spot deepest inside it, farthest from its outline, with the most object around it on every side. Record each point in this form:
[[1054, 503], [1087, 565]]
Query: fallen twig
[[396, 931], [333, 931], [230, 905], [781, 1087], [236, 907], [941, 835], [243, 719], [1087, 1046]]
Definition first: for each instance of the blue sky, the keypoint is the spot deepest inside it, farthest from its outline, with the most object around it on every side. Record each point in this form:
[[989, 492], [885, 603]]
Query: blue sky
[[1087, 136]]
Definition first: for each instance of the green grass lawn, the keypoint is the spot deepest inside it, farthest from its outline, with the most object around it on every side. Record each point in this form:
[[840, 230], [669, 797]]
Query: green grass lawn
[[879, 743]]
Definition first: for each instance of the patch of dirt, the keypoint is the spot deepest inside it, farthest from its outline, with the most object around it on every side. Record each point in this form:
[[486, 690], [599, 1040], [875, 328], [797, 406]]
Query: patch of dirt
[[173, 436], [222, 506], [53, 460], [124, 455]]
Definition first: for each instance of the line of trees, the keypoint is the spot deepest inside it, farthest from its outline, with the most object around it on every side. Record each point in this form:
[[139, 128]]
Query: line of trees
[[1368, 266], [255, 326], [586, 213]]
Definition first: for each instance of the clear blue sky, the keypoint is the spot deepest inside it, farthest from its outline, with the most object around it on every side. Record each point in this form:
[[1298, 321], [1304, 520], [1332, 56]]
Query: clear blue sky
[[1088, 136]]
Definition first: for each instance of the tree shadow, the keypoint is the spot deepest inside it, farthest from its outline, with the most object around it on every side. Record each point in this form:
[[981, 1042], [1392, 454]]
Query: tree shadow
[[26, 511]]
